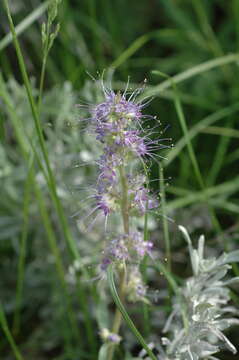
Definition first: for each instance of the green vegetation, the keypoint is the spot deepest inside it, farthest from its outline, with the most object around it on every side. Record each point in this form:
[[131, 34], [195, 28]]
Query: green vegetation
[[52, 57]]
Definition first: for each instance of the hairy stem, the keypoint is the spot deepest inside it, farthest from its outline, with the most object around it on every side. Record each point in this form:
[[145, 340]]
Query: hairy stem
[[124, 199], [122, 274]]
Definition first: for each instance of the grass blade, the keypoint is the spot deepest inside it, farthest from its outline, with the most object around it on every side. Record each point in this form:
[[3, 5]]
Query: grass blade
[[191, 152], [164, 216], [22, 255], [125, 315], [5, 328], [187, 74], [225, 189], [70, 242], [24, 25], [199, 127]]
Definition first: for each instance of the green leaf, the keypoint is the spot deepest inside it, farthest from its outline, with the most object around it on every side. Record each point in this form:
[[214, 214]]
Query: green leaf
[[104, 351]]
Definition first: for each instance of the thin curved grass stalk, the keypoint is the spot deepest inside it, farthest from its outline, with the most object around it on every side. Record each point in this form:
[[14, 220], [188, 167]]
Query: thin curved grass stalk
[[200, 126], [187, 74], [70, 241], [164, 219], [182, 120], [125, 315], [22, 252], [50, 176], [6, 330]]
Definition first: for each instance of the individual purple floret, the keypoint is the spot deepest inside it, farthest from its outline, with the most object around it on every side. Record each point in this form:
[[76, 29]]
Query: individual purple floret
[[141, 247], [105, 263], [135, 143], [141, 200], [105, 203], [115, 338], [108, 336]]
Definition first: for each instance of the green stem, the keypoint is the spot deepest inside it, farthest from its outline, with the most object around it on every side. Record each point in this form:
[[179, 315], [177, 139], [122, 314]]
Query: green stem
[[44, 60], [48, 174], [118, 316], [124, 199], [122, 278], [125, 315], [22, 256], [42, 78], [51, 237], [52, 184], [144, 274], [5, 328]]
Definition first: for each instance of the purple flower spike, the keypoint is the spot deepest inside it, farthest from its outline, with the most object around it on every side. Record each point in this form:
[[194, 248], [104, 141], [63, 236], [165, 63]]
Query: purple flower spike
[[117, 124]]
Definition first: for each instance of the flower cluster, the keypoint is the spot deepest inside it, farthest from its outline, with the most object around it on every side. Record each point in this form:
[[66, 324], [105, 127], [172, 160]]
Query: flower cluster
[[129, 248], [136, 289], [121, 128], [126, 247], [115, 122]]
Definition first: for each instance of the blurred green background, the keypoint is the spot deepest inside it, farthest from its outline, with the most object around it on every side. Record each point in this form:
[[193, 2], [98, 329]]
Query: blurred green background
[[53, 311]]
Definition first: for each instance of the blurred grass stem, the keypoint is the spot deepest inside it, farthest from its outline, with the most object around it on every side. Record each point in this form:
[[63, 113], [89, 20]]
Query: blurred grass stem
[[51, 179], [71, 244], [22, 251], [164, 215], [5, 328]]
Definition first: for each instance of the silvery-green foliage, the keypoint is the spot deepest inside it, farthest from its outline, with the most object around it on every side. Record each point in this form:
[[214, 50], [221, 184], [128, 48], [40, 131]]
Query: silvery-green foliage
[[200, 311]]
